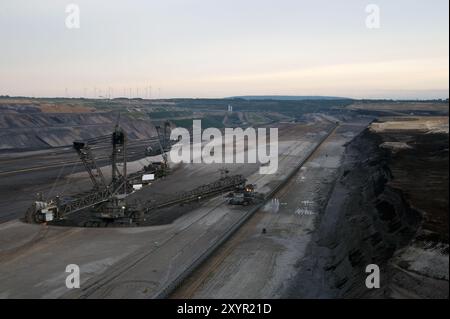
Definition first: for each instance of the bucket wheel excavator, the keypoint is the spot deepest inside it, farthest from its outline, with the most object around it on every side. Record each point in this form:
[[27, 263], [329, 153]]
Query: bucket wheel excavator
[[107, 201], [101, 192]]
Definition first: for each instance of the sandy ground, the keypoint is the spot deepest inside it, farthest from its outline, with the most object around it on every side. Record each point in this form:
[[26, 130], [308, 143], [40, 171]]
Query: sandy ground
[[265, 264], [435, 124]]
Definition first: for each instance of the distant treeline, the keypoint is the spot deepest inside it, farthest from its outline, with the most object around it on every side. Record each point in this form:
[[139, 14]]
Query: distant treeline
[[291, 108]]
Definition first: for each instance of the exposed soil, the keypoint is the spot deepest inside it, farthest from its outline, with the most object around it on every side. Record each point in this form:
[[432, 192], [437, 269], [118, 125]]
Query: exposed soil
[[421, 172], [385, 203], [37, 131]]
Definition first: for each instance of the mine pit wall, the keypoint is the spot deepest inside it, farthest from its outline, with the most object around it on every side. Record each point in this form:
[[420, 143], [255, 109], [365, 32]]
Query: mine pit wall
[[365, 222], [23, 132]]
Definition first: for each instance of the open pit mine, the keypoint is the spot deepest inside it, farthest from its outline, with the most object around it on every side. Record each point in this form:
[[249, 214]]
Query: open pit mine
[[93, 186]]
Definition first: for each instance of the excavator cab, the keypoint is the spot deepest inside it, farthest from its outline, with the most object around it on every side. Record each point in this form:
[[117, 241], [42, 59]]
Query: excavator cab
[[243, 195]]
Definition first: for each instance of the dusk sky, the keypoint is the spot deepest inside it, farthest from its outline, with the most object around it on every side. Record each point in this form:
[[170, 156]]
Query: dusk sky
[[206, 48]]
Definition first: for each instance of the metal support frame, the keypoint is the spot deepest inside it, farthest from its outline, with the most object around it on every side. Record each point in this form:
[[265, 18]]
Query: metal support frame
[[208, 190], [119, 147], [88, 160], [89, 200]]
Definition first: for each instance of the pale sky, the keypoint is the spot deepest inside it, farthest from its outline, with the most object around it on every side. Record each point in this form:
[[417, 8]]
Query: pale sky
[[218, 48]]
